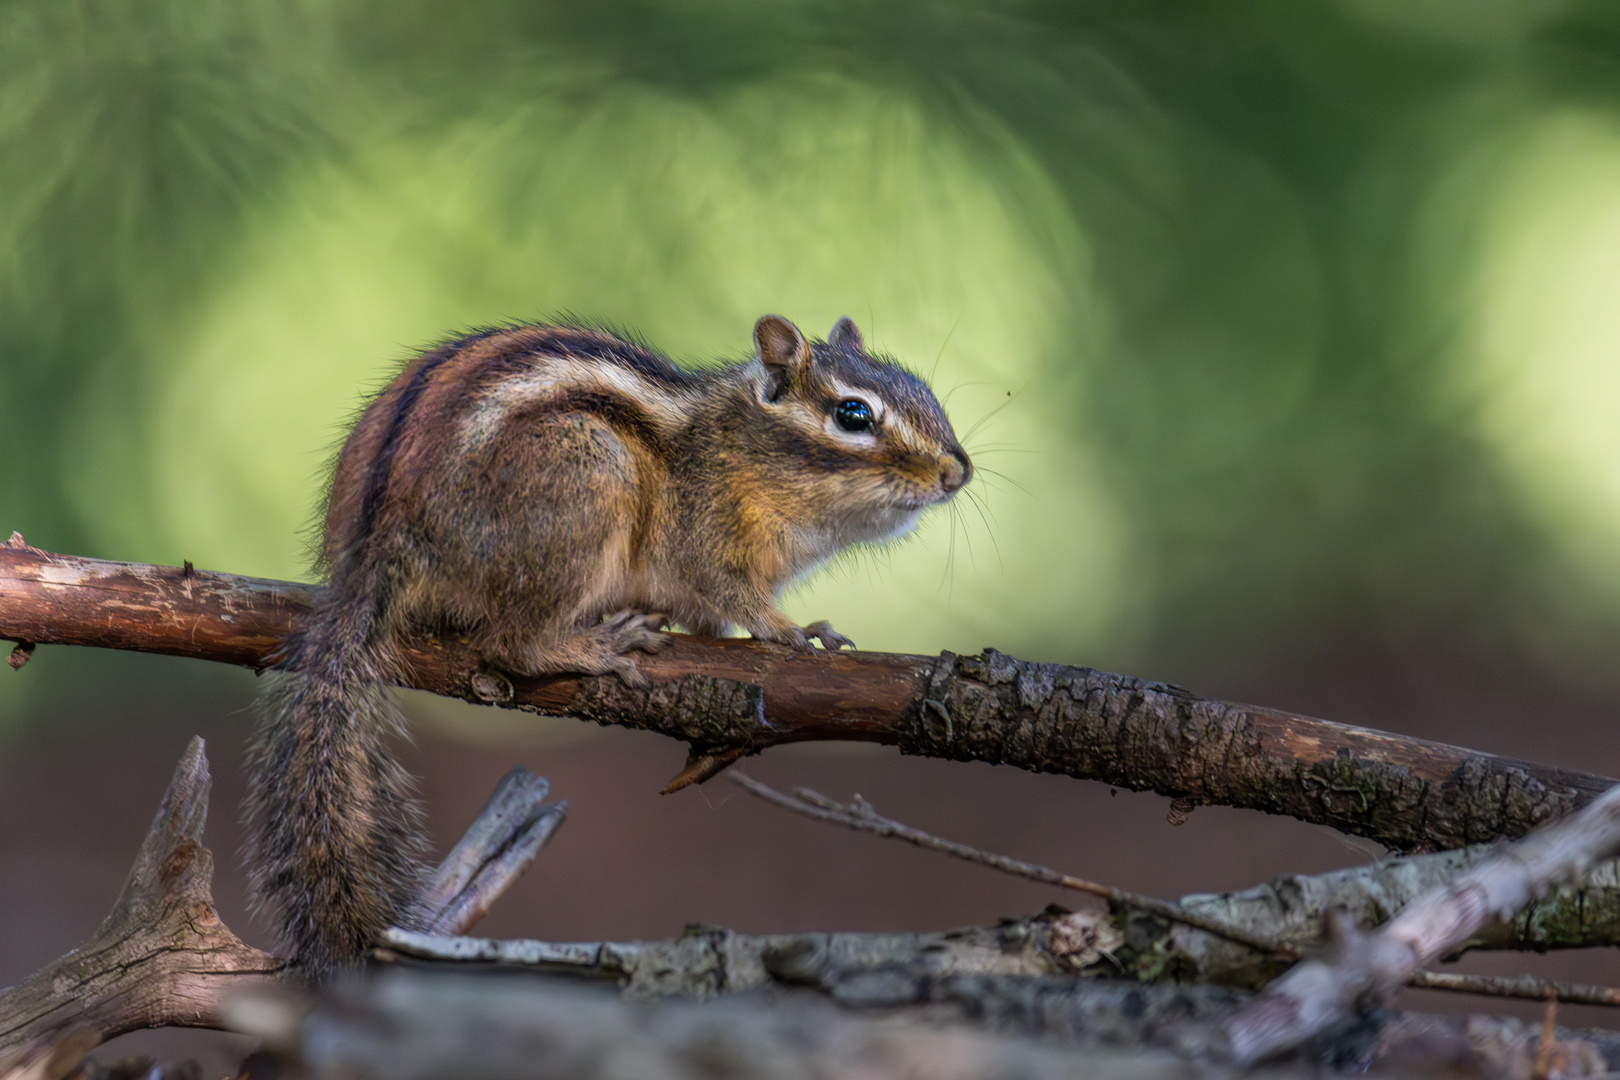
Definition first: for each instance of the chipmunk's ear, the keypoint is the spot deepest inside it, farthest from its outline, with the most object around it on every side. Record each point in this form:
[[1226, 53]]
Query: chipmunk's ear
[[845, 336], [783, 351]]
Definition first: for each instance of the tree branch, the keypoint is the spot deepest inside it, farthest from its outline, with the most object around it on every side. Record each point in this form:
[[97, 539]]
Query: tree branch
[[730, 698], [1318, 993], [501, 843], [861, 816], [1293, 908], [163, 958]]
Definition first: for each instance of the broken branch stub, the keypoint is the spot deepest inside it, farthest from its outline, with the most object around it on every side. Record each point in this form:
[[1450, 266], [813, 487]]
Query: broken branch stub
[[497, 848], [162, 957]]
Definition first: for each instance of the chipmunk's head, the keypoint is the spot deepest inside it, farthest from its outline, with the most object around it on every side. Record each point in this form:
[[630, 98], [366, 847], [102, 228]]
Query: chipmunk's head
[[866, 441]]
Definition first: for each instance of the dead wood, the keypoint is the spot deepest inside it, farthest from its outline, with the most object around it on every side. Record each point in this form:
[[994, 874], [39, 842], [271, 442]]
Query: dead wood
[[1319, 993], [709, 961], [1246, 938], [500, 844], [425, 1024], [412, 1025], [163, 958], [730, 698], [1293, 908], [861, 815]]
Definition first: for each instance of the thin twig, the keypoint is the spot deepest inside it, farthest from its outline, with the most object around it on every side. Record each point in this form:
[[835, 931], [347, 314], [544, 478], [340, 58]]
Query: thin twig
[[860, 815], [1527, 987]]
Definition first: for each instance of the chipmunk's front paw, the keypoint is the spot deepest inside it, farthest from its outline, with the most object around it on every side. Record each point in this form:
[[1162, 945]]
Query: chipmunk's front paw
[[783, 632], [830, 639]]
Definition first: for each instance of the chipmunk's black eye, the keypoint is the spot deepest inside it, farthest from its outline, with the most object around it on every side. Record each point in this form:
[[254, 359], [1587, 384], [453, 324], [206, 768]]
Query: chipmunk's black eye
[[854, 414]]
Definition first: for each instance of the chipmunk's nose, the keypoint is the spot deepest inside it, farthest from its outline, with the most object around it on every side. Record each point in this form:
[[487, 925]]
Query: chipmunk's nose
[[957, 471]]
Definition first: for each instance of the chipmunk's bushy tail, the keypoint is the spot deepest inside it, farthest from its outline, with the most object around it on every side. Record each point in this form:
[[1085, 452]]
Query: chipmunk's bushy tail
[[334, 833]]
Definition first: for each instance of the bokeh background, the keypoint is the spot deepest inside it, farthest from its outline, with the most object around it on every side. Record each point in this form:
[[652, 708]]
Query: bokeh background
[[1286, 334]]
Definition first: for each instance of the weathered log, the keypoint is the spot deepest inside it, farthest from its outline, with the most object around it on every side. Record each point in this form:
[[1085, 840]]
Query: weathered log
[[426, 1025], [730, 698]]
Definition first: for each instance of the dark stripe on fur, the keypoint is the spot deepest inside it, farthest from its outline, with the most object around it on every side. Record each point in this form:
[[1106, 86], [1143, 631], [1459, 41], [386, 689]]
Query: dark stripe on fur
[[382, 464], [815, 454], [615, 410]]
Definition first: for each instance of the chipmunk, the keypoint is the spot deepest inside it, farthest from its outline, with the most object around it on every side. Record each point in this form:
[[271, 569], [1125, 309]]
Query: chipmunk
[[558, 494]]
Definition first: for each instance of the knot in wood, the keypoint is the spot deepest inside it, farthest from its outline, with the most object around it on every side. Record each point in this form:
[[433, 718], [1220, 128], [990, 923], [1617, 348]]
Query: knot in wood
[[701, 709]]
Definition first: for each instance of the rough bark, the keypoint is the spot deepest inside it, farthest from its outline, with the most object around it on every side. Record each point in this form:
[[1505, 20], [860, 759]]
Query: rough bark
[[708, 961], [730, 698], [1246, 938], [420, 1026], [163, 958]]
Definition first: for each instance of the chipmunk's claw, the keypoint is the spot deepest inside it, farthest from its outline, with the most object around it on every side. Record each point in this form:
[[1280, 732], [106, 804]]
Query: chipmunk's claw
[[830, 639]]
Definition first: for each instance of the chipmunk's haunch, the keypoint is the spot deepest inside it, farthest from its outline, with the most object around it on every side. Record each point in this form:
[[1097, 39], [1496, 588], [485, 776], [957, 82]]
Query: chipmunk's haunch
[[557, 494]]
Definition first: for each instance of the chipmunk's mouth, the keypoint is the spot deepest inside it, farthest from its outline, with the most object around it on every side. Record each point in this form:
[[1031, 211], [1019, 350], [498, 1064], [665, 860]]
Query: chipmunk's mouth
[[926, 495], [940, 481]]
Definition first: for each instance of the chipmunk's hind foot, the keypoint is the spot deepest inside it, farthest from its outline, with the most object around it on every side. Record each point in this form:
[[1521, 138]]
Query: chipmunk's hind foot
[[601, 648]]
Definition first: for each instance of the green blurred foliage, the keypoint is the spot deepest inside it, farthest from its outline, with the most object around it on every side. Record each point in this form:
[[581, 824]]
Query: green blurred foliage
[[1273, 323]]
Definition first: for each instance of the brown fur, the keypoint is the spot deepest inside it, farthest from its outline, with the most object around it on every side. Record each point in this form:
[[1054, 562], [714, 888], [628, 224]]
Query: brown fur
[[521, 484]]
